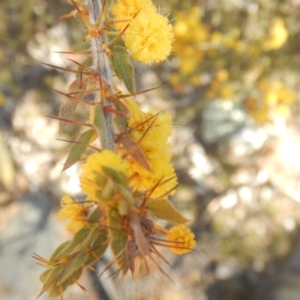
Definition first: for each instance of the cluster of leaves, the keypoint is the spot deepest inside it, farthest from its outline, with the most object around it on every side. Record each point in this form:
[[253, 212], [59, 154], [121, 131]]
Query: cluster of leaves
[[128, 179]]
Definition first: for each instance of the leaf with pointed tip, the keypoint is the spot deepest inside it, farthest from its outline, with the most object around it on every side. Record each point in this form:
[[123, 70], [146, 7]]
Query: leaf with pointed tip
[[117, 176], [98, 248], [58, 289], [119, 239], [77, 150], [122, 65], [77, 263], [61, 251], [78, 242], [67, 109], [164, 209], [97, 119]]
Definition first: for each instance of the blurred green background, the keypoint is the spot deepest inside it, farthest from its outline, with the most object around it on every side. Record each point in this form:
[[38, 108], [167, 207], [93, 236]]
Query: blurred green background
[[232, 85]]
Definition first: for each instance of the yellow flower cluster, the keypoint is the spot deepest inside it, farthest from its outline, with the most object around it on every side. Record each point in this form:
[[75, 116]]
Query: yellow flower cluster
[[74, 212], [181, 239], [149, 36], [153, 130], [126, 10], [96, 181], [109, 177]]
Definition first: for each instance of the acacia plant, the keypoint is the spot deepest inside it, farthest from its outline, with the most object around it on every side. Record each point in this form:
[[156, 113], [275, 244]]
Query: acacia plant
[[128, 177]]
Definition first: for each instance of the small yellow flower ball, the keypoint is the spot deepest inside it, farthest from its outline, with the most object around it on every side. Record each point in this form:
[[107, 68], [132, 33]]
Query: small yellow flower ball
[[125, 10], [149, 37], [74, 212], [92, 172], [181, 239]]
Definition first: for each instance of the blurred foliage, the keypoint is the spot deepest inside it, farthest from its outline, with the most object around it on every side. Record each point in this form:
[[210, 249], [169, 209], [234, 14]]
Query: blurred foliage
[[239, 51]]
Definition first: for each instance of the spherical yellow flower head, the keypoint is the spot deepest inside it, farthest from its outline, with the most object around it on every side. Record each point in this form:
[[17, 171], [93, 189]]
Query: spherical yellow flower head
[[74, 212], [181, 239], [149, 37], [153, 130], [125, 10], [95, 179]]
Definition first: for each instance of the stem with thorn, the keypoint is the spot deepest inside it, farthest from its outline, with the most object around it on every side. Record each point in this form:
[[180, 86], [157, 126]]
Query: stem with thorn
[[102, 68]]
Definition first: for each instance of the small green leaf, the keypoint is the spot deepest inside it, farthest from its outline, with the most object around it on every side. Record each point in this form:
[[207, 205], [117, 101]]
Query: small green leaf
[[61, 251], [98, 248], [123, 67], [79, 240], [45, 275], [50, 277], [117, 176], [164, 209], [77, 150], [76, 263], [57, 289], [97, 119], [94, 214], [119, 239]]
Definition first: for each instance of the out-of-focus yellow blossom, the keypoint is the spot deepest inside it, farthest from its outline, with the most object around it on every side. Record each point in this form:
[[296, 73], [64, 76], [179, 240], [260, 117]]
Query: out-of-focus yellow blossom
[[74, 212], [189, 33], [188, 66], [226, 92], [222, 75], [149, 37], [215, 37], [274, 99], [195, 80], [156, 147], [125, 10], [277, 35], [181, 239], [93, 179], [188, 28], [257, 109], [275, 92], [219, 88]]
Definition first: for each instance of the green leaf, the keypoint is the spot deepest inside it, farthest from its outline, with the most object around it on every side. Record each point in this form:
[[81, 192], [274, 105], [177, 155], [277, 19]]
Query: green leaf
[[123, 67], [61, 251], [57, 289], [119, 239], [164, 209], [76, 263], [98, 248], [45, 275], [49, 278], [117, 176], [78, 242], [94, 214], [77, 150], [97, 119]]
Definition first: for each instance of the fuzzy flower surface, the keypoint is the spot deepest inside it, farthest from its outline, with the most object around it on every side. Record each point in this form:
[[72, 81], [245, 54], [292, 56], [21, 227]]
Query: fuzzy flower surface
[[152, 129], [74, 212], [181, 239], [125, 10], [94, 180], [149, 37]]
